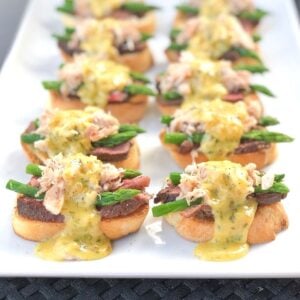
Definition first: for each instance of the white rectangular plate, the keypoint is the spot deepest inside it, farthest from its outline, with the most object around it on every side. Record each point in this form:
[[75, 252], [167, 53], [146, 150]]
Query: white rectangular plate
[[156, 251]]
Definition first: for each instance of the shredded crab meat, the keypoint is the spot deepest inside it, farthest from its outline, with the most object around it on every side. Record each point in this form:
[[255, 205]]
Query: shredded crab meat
[[82, 8], [53, 185], [234, 81], [103, 126], [238, 6], [267, 181], [44, 121], [188, 31], [254, 176], [72, 76], [128, 34], [111, 177], [175, 78], [255, 111]]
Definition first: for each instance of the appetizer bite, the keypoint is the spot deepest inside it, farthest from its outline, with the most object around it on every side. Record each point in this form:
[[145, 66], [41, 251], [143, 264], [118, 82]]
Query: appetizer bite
[[244, 10], [219, 130], [103, 83], [90, 131], [204, 79], [224, 206], [107, 39], [75, 205], [134, 12], [222, 37]]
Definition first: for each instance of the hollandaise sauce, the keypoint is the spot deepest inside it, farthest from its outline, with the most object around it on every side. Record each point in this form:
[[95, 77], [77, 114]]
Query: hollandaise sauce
[[223, 124], [81, 238], [103, 8], [228, 188]]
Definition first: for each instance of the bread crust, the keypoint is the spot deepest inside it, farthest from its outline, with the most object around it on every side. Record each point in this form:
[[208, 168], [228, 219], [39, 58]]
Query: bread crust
[[261, 158], [169, 110], [140, 61], [131, 111], [131, 162], [114, 228], [269, 220]]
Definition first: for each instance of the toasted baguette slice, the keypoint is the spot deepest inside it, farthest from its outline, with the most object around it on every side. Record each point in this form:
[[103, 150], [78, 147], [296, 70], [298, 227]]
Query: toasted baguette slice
[[268, 221], [131, 162], [140, 61], [261, 158], [131, 111], [114, 228], [169, 109]]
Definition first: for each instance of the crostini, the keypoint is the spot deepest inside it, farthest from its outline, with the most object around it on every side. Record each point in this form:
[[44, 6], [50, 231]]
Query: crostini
[[222, 37], [107, 39], [90, 131], [102, 83], [224, 206], [204, 79], [75, 205], [219, 130], [244, 10], [135, 13]]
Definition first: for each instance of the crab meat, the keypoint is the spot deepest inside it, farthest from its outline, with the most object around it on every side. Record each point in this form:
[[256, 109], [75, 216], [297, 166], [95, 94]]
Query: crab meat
[[188, 31], [111, 177], [238, 6]]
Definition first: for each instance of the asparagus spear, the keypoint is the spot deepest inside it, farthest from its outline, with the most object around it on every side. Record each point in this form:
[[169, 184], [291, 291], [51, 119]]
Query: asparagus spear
[[255, 15], [256, 37], [187, 9], [129, 174], [66, 36], [111, 198], [135, 89], [261, 89], [175, 177], [115, 140], [176, 138], [166, 120], [174, 33], [277, 187], [145, 36], [267, 121], [172, 95], [34, 170], [67, 7], [24, 189], [52, 85], [243, 52], [30, 138], [138, 7], [252, 68], [174, 206], [177, 47], [267, 136], [139, 77], [131, 127]]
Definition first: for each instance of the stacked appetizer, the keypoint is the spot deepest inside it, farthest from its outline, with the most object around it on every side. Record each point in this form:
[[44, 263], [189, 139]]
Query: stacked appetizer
[[90, 131], [74, 205], [133, 12], [225, 206], [107, 39], [102, 83], [244, 10], [205, 79]]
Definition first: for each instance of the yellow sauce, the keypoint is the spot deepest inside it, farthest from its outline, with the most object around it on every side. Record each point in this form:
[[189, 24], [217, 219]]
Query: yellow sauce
[[67, 131], [224, 125], [215, 37], [206, 80], [81, 238], [228, 188], [99, 39], [212, 8], [100, 78], [102, 8]]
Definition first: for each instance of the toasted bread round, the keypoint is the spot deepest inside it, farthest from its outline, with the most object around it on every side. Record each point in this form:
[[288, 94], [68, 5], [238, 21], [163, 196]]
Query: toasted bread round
[[140, 61], [169, 109], [131, 162], [116, 228], [261, 158], [268, 221], [131, 111]]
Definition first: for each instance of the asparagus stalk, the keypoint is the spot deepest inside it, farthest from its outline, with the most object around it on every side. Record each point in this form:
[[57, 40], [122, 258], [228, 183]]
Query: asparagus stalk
[[261, 89], [30, 138], [138, 8], [255, 15], [172, 95], [187, 9], [131, 127], [34, 170], [252, 68], [115, 140], [256, 37], [175, 177], [243, 52], [24, 189], [52, 85], [267, 121], [145, 36], [66, 36], [129, 174], [166, 120], [267, 136], [111, 198], [174, 33], [177, 47], [135, 89], [67, 7], [139, 77]]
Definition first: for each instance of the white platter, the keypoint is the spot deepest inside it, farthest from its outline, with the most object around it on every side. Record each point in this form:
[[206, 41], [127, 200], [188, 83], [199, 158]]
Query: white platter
[[156, 251]]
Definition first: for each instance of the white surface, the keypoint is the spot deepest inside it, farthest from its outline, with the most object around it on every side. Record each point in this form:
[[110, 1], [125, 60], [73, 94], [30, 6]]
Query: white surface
[[156, 251]]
